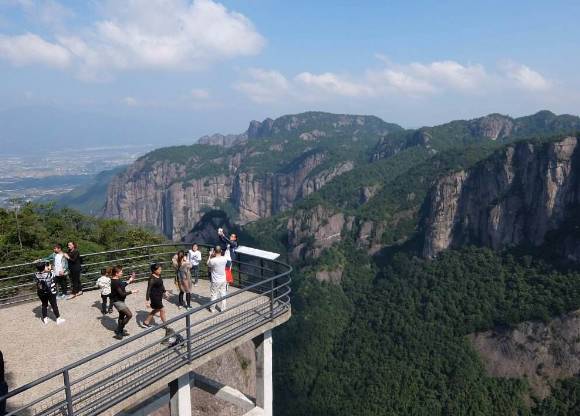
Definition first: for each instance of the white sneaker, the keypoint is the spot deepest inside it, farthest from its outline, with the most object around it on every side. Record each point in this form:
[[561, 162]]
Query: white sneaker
[[45, 321], [60, 321]]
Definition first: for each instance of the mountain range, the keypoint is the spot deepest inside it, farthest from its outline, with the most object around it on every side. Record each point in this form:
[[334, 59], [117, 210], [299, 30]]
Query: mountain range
[[436, 269]]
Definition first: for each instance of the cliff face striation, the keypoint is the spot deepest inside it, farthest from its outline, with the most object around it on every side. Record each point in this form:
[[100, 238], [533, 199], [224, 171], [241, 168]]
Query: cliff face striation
[[515, 197], [254, 175]]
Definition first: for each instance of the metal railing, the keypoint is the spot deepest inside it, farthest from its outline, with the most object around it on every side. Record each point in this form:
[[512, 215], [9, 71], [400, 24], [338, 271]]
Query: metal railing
[[107, 377]]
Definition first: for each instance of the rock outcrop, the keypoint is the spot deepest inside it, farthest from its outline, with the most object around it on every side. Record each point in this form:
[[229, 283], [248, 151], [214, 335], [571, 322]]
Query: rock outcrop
[[311, 231], [227, 140], [538, 352], [159, 196], [514, 197], [493, 126], [253, 175]]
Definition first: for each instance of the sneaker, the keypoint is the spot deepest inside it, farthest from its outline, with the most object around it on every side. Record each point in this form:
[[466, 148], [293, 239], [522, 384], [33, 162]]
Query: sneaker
[[118, 335], [179, 306], [60, 321], [146, 325], [210, 310], [195, 285], [45, 321]]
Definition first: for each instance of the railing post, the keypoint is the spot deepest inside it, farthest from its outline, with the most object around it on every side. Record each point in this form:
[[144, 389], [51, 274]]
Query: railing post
[[188, 332], [68, 394], [272, 299]]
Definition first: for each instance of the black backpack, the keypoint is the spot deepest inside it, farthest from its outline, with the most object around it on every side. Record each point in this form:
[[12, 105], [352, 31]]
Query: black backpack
[[47, 288]]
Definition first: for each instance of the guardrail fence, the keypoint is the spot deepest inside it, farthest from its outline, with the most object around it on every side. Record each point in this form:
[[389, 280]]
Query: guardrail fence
[[105, 378]]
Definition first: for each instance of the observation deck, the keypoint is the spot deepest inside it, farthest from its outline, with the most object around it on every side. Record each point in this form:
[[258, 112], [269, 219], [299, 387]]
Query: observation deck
[[78, 368]]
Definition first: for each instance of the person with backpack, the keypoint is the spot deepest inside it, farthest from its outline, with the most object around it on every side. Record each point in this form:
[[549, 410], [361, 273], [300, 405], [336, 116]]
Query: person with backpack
[[74, 266], [46, 291], [60, 268]]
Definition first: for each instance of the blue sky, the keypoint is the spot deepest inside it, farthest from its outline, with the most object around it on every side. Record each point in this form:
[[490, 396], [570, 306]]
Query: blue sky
[[179, 69]]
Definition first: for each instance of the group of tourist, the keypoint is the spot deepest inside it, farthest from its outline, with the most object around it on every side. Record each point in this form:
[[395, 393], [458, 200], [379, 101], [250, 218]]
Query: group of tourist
[[53, 271]]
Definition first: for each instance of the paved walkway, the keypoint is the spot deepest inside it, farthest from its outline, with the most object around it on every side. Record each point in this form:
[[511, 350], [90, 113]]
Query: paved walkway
[[32, 349]]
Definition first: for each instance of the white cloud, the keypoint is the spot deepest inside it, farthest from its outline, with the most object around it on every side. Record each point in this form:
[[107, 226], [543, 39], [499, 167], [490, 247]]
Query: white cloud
[[335, 84], [30, 49], [395, 80], [265, 85], [172, 35], [130, 101], [526, 78], [400, 82], [199, 94], [451, 74]]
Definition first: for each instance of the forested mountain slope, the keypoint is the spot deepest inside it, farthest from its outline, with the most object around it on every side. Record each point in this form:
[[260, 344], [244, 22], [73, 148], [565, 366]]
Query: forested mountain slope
[[384, 308]]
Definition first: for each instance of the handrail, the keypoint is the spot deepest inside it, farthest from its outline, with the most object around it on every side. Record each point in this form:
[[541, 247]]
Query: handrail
[[268, 280]]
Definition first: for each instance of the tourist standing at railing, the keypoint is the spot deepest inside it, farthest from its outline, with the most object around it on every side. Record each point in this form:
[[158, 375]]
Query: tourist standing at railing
[[228, 245], [60, 268], [194, 257], [218, 284], [183, 268], [74, 266], [46, 290], [154, 296], [118, 295], [104, 284]]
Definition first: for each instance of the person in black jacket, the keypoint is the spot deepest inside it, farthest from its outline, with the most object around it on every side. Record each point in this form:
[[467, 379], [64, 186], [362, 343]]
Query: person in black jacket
[[74, 266], [154, 296], [228, 245], [118, 295]]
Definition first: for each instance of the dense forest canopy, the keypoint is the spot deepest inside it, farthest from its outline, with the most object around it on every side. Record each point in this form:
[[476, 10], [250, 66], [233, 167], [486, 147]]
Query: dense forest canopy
[[31, 232]]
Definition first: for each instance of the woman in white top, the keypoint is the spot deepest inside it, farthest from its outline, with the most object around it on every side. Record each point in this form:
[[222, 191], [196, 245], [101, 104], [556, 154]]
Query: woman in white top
[[194, 257]]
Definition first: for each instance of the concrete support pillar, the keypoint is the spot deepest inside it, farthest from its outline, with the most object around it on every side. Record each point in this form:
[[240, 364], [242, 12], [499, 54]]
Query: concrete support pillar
[[264, 387], [180, 396]]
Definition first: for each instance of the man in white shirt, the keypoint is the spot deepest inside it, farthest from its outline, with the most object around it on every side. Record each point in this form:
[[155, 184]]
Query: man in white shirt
[[194, 257], [60, 268], [218, 284]]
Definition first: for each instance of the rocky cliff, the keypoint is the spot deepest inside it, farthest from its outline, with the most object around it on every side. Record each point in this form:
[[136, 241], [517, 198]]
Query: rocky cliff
[[254, 175], [517, 196], [539, 352]]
